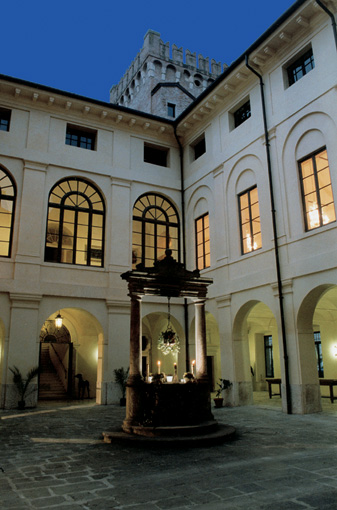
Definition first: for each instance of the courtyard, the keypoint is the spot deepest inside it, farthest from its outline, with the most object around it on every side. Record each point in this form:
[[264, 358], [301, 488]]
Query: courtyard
[[54, 457]]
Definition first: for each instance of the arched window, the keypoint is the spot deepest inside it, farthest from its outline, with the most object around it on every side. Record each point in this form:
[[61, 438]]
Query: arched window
[[155, 229], [7, 205], [75, 229]]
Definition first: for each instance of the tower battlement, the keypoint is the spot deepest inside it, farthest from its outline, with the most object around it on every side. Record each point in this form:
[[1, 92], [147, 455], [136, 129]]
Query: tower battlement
[[161, 63]]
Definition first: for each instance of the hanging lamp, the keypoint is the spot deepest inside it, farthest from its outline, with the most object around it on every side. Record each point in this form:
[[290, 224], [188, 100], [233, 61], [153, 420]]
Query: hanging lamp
[[168, 341]]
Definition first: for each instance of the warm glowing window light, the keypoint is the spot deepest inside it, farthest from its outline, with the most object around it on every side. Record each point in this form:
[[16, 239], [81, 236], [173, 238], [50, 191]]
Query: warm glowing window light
[[319, 208], [251, 238]]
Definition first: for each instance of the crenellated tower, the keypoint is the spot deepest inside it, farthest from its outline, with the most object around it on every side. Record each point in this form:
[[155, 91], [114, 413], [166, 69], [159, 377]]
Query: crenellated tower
[[161, 81]]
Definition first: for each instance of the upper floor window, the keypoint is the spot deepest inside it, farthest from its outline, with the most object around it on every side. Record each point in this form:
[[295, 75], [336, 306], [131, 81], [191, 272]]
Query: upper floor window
[[155, 154], [203, 253], [301, 66], [7, 205], [198, 147], [171, 110], [75, 228], [242, 114], [318, 203], [155, 229], [251, 239], [80, 137], [5, 118]]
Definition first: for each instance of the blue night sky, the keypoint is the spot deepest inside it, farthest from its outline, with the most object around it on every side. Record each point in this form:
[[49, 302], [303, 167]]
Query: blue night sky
[[85, 47]]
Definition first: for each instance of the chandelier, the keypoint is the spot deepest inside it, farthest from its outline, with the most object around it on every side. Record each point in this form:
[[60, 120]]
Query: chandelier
[[168, 341]]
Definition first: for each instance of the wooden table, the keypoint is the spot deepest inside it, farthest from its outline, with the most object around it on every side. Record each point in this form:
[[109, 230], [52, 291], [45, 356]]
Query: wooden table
[[331, 383], [273, 381]]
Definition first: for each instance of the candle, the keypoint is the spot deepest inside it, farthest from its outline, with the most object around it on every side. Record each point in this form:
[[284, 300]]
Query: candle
[[158, 363], [175, 367], [193, 363]]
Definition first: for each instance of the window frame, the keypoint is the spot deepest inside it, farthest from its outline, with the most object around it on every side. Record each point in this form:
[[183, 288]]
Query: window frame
[[153, 153], [143, 205], [299, 62], [268, 355], [319, 354], [171, 110], [90, 211], [5, 116], [237, 114], [248, 192], [198, 147], [81, 132], [12, 199], [312, 157], [202, 246]]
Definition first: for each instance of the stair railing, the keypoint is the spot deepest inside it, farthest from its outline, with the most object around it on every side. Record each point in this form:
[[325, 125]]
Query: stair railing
[[59, 366]]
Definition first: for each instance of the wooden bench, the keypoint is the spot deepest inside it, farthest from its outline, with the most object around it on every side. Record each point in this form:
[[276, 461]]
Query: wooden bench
[[331, 383], [273, 381]]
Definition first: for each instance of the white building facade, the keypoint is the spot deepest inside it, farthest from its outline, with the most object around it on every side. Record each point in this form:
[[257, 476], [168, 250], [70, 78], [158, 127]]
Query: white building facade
[[242, 185]]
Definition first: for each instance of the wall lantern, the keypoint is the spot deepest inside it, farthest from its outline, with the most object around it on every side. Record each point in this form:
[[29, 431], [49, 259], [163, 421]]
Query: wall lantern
[[58, 320]]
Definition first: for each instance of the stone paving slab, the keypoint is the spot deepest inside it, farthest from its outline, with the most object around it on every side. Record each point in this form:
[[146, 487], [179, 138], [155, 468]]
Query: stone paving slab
[[55, 457]]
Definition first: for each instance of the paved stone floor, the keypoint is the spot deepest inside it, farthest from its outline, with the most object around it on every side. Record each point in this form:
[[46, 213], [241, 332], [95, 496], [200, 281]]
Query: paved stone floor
[[54, 457]]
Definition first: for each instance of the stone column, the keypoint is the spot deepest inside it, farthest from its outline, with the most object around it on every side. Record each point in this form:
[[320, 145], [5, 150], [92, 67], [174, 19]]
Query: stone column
[[134, 384], [200, 340]]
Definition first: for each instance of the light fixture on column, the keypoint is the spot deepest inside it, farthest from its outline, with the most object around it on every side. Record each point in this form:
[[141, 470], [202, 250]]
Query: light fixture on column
[[168, 341], [58, 320]]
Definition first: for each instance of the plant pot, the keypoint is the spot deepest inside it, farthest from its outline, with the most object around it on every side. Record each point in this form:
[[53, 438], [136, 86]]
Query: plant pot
[[122, 402], [218, 401], [21, 404]]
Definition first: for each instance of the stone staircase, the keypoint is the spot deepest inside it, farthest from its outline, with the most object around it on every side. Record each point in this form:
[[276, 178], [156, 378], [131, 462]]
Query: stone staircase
[[50, 386]]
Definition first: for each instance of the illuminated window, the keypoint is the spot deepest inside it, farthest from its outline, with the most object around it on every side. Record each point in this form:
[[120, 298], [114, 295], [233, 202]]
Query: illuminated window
[[7, 205], [319, 354], [203, 254], [300, 67], [75, 229], [250, 221], [155, 229], [318, 204], [268, 355], [80, 137]]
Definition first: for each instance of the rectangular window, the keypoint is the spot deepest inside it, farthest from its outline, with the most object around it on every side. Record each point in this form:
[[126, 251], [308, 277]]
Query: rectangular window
[[242, 114], [203, 253], [155, 155], [318, 203], [80, 137], [319, 355], [5, 118], [251, 239], [171, 110], [301, 66], [268, 354], [198, 147]]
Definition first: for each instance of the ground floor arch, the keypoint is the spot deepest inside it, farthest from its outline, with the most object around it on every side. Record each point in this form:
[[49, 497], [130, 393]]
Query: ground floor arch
[[69, 354]]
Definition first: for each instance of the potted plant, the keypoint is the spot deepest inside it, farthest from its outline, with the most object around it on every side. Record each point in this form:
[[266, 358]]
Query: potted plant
[[22, 384], [121, 376], [223, 384]]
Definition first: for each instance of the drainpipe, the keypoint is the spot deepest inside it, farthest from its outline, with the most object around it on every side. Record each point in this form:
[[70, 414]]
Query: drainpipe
[[181, 154], [332, 17], [277, 257]]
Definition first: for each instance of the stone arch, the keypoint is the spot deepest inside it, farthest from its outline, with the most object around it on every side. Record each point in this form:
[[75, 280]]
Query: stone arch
[[85, 355], [253, 321], [309, 133], [157, 68], [198, 80], [170, 73], [247, 172]]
